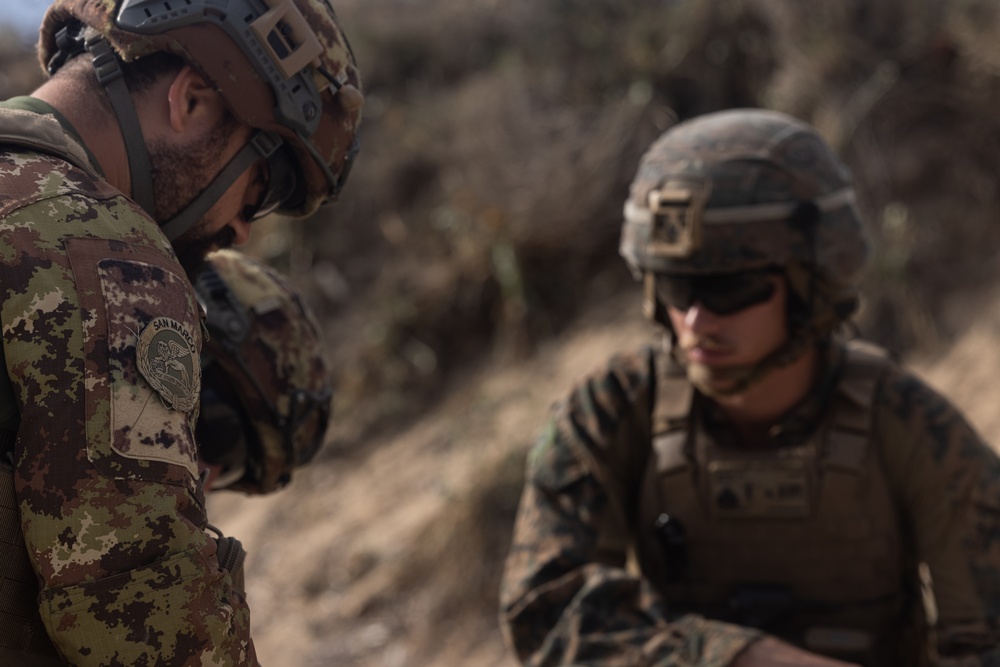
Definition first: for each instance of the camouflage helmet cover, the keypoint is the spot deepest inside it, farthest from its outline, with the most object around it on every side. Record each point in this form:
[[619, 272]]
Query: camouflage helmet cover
[[282, 66], [724, 193], [274, 364]]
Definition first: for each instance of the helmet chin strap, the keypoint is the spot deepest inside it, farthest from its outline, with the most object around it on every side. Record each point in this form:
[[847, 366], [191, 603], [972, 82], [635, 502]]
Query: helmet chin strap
[[109, 74], [260, 146]]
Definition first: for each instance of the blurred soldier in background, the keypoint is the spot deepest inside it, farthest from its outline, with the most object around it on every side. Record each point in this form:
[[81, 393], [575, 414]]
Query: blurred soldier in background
[[164, 127], [265, 384], [757, 490]]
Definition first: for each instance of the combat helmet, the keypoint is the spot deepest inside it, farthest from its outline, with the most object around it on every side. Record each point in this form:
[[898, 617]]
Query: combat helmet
[[266, 390], [743, 190], [283, 67]]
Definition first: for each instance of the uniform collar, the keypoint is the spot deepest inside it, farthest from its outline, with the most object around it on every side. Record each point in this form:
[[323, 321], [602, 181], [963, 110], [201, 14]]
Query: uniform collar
[[797, 424], [35, 105]]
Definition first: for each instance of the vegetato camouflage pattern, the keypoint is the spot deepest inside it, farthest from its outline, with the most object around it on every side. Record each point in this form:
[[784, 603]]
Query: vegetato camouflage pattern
[[276, 368], [571, 593], [748, 170], [111, 509], [332, 130]]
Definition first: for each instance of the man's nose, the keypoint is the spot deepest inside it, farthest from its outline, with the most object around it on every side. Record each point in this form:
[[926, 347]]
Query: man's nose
[[699, 319]]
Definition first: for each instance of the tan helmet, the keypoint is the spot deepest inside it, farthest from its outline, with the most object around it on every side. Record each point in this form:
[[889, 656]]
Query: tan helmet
[[283, 67], [748, 189], [745, 190], [266, 390]]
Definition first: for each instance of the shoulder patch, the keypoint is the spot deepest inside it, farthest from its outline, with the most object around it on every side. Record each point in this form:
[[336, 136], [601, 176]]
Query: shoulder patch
[[166, 355]]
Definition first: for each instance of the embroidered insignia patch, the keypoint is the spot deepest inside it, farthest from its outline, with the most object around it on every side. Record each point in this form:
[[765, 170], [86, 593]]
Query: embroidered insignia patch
[[166, 355]]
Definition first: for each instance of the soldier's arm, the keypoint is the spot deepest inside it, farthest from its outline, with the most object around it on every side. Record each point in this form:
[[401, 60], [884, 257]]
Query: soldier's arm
[[948, 484], [567, 596], [772, 652], [111, 510]]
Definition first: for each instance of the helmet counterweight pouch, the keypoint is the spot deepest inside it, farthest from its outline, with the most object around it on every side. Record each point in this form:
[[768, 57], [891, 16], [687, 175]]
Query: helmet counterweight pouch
[[677, 209]]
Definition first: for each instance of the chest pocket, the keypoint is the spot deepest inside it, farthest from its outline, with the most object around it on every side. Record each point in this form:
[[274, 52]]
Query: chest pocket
[[141, 361]]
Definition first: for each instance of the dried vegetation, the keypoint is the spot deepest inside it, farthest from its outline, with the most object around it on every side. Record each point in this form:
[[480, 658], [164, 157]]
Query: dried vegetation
[[500, 139], [482, 219]]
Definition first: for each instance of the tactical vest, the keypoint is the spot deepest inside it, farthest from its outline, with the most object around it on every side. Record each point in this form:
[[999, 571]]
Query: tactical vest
[[801, 541]]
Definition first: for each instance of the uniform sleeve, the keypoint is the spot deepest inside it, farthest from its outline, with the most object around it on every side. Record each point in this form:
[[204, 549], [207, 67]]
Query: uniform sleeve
[[948, 484], [567, 595], [101, 340]]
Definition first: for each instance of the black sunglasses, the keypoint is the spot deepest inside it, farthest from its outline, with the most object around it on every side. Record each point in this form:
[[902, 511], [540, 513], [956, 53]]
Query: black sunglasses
[[722, 294], [284, 187]]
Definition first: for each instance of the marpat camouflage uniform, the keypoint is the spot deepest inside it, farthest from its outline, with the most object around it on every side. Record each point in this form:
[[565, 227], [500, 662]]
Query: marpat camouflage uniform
[[571, 591], [101, 338]]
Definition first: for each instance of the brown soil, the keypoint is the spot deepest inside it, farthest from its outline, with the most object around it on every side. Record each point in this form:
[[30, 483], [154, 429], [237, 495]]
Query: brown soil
[[391, 557]]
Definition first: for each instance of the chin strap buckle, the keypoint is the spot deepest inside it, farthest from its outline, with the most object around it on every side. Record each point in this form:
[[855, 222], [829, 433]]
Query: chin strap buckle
[[69, 44]]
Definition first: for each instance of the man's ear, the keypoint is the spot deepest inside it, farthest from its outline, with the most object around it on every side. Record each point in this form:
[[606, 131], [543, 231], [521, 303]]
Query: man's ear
[[194, 105]]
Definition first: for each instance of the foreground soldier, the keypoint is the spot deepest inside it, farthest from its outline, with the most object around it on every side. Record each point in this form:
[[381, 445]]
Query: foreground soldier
[[202, 116], [756, 491], [265, 390], [265, 385]]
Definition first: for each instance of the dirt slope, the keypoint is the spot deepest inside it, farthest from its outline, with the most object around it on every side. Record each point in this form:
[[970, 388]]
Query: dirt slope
[[390, 557]]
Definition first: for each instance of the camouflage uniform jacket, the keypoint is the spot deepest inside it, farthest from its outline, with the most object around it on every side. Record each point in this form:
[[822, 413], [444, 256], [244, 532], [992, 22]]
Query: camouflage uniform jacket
[[572, 593], [101, 338]]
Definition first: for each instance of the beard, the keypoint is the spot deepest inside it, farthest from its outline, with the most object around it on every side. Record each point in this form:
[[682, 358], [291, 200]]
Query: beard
[[181, 173], [192, 247]]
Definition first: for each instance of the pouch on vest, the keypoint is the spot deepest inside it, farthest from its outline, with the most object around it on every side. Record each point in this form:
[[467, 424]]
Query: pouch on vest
[[802, 540]]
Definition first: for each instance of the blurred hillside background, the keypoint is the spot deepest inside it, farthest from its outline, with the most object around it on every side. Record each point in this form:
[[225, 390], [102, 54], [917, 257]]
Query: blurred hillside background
[[470, 272]]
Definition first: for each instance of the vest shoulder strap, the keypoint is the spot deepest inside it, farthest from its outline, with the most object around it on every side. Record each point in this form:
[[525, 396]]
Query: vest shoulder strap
[[674, 393], [848, 438]]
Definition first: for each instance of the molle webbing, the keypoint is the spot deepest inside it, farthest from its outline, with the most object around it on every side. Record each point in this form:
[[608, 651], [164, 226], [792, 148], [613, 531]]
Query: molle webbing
[[814, 521], [21, 631]]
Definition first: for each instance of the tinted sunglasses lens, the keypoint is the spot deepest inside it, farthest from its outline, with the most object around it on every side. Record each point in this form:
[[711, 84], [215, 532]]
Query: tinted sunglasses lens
[[732, 293], [675, 291], [722, 294], [283, 184]]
